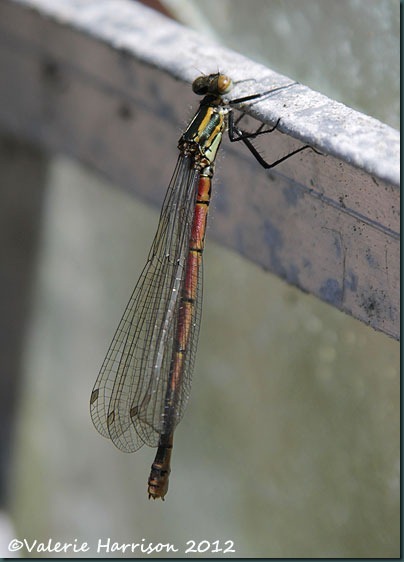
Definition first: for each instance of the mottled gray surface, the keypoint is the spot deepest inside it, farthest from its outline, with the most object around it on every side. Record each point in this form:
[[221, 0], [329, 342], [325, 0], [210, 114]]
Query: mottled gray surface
[[311, 117], [348, 50], [84, 89]]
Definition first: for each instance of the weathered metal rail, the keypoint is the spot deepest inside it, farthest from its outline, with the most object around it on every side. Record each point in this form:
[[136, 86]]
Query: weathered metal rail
[[92, 78]]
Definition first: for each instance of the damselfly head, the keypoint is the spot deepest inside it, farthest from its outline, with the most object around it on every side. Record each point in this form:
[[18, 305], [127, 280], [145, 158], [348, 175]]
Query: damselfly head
[[216, 84]]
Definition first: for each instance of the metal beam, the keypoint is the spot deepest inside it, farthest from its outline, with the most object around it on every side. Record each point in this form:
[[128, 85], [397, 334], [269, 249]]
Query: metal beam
[[100, 81]]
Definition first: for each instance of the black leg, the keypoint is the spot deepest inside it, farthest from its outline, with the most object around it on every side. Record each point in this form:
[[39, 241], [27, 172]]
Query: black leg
[[236, 134], [260, 94]]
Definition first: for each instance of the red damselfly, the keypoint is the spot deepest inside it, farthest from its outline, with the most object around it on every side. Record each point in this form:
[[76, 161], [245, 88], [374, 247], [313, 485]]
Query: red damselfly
[[144, 384]]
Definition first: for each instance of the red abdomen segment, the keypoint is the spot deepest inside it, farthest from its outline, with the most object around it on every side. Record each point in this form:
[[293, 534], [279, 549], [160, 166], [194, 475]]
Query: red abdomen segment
[[192, 269], [160, 470]]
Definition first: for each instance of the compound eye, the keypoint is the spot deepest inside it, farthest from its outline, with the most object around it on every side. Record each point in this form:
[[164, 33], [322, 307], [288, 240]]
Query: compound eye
[[200, 85], [224, 84]]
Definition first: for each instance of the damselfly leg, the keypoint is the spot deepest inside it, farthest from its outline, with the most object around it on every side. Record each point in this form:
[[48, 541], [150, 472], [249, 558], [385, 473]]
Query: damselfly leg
[[236, 134]]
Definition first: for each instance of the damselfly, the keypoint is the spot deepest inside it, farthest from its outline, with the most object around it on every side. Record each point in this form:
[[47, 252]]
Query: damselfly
[[144, 384]]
